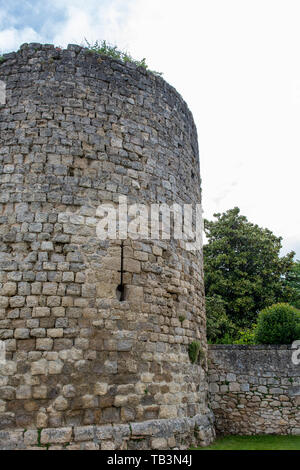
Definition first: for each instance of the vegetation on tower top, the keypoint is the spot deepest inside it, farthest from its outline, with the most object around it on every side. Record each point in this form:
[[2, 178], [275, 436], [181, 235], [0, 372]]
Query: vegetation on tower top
[[104, 48]]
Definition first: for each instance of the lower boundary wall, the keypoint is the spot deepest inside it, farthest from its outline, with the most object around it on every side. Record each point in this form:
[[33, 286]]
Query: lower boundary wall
[[180, 433], [254, 389]]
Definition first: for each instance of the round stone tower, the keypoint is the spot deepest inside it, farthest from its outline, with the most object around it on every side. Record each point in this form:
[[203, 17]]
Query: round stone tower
[[96, 332]]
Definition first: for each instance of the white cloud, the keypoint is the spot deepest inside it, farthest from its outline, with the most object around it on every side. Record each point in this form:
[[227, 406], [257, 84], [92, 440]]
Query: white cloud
[[12, 38], [75, 28], [96, 21]]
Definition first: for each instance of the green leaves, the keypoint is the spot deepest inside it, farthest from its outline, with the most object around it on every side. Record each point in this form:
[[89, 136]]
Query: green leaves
[[293, 283], [242, 265], [217, 322], [278, 324]]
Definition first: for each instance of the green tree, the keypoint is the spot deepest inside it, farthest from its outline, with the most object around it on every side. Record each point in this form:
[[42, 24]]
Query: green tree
[[293, 282], [218, 325], [242, 265]]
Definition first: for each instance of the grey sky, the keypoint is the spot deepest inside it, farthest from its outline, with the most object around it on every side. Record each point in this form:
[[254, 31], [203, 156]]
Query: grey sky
[[236, 63]]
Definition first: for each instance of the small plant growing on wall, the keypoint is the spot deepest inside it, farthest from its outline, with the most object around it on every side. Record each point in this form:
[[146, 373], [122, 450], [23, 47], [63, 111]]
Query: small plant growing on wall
[[195, 351]]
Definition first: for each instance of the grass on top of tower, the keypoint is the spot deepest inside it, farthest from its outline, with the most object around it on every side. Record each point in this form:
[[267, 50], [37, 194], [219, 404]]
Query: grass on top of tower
[[104, 48]]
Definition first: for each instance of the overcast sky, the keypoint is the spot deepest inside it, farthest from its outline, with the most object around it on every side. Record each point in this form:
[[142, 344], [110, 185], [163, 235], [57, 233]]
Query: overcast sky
[[235, 62]]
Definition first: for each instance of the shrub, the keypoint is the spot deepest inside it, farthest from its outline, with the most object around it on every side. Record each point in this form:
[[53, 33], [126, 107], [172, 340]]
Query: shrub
[[278, 324], [225, 339], [246, 336]]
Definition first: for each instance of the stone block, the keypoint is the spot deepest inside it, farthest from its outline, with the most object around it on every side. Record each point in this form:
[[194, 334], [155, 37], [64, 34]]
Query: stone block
[[55, 436]]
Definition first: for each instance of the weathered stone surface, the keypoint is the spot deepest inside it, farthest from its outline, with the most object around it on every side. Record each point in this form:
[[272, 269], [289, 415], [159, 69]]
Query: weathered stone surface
[[252, 389], [49, 436], [159, 443], [101, 388], [77, 131]]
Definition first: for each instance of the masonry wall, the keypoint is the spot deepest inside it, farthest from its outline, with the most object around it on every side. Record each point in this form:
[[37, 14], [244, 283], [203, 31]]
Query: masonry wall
[[254, 389], [78, 130]]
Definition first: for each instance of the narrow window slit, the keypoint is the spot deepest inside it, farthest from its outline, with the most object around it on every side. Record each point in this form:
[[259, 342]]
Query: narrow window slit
[[120, 291]]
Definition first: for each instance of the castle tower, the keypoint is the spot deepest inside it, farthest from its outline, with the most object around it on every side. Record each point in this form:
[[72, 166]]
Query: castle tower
[[96, 332]]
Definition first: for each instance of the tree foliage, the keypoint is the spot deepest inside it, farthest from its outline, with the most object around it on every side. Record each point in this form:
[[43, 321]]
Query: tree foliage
[[218, 326], [293, 282], [242, 265]]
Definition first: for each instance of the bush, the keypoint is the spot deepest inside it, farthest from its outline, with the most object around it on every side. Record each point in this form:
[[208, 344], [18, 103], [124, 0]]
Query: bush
[[246, 336], [219, 327], [225, 339], [278, 324]]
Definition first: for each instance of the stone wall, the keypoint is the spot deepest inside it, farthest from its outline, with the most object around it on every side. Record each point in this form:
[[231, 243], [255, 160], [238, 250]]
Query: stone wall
[[254, 389], [78, 130]]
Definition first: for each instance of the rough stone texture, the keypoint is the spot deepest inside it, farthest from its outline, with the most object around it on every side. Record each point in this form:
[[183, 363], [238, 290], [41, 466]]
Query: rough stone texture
[[173, 434], [78, 130], [254, 389]]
